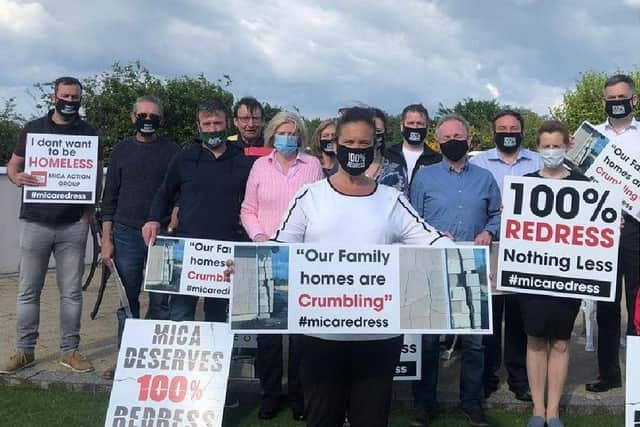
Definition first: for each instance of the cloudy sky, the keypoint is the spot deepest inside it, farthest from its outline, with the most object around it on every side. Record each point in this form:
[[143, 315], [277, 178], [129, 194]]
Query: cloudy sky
[[321, 55]]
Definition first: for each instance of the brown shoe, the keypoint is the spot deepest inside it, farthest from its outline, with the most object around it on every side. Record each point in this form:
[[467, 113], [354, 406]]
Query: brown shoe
[[18, 361], [109, 373], [74, 361]]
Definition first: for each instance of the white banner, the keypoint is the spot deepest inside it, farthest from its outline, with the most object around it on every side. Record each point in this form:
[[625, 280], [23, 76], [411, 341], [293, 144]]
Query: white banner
[[410, 366], [364, 289], [604, 161], [66, 167], [559, 237], [632, 404], [189, 267], [170, 373]]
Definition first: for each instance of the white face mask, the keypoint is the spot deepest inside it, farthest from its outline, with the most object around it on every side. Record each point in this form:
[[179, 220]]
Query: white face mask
[[552, 157]]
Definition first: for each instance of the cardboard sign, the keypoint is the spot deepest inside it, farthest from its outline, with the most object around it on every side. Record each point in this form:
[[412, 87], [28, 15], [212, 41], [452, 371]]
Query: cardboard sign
[[170, 373], [559, 237], [410, 366], [606, 162], [189, 267], [360, 290], [66, 167]]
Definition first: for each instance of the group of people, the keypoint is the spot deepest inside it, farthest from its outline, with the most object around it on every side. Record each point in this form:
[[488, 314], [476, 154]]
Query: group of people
[[352, 188]]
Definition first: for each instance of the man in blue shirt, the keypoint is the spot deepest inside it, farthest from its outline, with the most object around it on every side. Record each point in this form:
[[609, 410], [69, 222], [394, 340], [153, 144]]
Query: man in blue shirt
[[464, 200], [506, 159]]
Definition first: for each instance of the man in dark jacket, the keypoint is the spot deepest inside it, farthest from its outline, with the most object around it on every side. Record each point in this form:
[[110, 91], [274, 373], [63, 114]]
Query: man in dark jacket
[[210, 176], [402, 161], [136, 170]]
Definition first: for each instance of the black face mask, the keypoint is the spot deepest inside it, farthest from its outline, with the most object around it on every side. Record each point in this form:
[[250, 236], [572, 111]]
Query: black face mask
[[618, 108], [380, 140], [147, 126], [507, 142], [454, 149], [414, 136], [327, 146], [67, 109], [355, 161], [213, 139]]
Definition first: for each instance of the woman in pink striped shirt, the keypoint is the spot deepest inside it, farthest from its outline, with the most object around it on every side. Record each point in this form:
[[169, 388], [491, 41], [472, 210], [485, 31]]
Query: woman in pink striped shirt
[[272, 183]]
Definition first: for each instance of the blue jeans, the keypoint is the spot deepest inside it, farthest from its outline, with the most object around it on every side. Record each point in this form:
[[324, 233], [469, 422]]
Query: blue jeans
[[183, 308], [471, 372], [68, 243], [130, 256]]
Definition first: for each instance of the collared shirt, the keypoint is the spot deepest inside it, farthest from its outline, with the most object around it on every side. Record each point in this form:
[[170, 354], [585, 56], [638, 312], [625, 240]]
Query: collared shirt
[[526, 162], [463, 203], [628, 139], [270, 190]]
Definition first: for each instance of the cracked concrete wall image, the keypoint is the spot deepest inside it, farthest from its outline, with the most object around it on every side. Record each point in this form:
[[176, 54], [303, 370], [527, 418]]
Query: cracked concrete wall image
[[253, 284], [423, 291], [442, 289]]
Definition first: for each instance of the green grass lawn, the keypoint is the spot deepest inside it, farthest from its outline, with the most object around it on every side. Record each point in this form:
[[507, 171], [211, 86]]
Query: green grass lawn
[[25, 407]]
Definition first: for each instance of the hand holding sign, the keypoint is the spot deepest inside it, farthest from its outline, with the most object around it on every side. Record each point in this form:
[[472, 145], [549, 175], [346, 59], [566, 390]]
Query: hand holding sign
[[23, 179]]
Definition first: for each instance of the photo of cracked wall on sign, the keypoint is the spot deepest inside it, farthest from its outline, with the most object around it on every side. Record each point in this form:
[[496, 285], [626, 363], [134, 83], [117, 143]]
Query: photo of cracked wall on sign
[[260, 298], [443, 289]]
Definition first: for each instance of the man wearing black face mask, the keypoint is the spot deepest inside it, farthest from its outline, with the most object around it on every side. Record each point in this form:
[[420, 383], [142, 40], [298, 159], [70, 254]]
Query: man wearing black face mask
[[58, 228], [620, 102], [463, 200], [402, 161], [508, 158], [210, 176], [137, 167]]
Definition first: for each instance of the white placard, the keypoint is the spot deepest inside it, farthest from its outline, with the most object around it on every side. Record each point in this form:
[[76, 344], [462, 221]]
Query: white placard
[[559, 237], [66, 167]]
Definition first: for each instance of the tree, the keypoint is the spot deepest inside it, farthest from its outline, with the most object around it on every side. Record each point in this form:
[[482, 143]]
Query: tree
[[10, 124], [108, 98], [584, 102], [480, 114]]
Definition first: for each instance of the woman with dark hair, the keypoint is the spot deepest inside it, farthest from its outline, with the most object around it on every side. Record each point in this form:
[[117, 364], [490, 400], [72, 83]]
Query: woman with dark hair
[[323, 146], [548, 320], [352, 374], [380, 121]]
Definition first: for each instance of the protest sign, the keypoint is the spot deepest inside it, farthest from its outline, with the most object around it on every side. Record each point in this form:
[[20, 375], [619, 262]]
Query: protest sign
[[170, 373], [559, 237], [604, 161], [189, 267], [303, 288], [66, 167], [632, 404], [410, 366]]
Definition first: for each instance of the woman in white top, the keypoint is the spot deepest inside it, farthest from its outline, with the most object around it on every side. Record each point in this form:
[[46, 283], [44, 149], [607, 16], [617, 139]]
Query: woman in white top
[[352, 374]]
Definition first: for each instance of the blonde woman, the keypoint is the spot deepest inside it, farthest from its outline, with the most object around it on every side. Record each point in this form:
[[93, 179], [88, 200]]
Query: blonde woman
[[272, 183]]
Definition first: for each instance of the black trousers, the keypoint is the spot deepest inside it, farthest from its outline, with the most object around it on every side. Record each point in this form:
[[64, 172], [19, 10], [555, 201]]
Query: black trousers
[[351, 378], [515, 344], [608, 313], [269, 364]]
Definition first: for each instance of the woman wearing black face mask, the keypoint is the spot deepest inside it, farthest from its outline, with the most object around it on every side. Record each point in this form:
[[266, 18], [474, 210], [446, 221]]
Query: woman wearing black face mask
[[323, 145], [352, 373]]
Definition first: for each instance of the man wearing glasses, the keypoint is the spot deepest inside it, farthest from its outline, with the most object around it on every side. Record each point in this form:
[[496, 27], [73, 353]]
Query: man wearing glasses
[[138, 165], [248, 118]]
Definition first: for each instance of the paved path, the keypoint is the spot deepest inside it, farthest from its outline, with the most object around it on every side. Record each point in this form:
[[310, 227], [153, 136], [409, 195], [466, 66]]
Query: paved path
[[98, 345]]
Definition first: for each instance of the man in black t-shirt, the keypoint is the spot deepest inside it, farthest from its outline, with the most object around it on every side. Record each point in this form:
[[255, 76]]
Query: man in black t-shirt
[[58, 228], [136, 169]]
